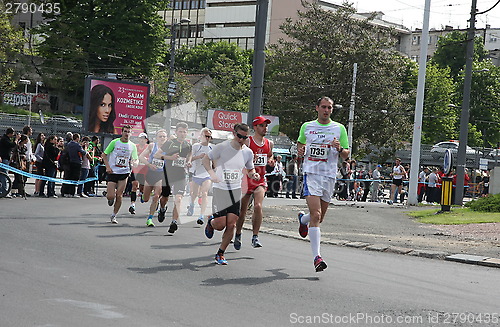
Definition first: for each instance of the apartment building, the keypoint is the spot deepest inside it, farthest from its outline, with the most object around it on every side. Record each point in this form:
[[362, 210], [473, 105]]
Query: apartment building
[[491, 37], [234, 20]]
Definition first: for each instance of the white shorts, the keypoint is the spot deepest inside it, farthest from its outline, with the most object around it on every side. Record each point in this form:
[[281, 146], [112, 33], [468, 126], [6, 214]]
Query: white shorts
[[319, 185]]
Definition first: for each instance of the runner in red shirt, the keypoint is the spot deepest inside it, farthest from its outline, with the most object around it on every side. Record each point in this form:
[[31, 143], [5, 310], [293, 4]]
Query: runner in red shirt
[[262, 149]]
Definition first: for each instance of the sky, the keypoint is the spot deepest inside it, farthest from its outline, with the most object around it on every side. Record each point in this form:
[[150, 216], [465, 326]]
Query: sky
[[410, 13]]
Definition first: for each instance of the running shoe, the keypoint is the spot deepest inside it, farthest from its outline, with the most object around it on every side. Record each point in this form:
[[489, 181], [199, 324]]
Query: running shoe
[[150, 223], [113, 220], [131, 209], [389, 202], [200, 220], [319, 264], [303, 229], [255, 242], [142, 199], [173, 227], [190, 209], [209, 230], [220, 260], [161, 214], [110, 202], [237, 241]]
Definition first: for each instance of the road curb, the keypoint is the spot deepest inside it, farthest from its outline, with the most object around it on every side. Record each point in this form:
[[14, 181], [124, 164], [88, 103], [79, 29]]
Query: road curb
[[462, 258]]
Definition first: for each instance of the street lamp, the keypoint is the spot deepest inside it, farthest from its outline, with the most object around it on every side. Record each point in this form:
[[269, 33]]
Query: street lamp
[[171, 76], [27, 82]]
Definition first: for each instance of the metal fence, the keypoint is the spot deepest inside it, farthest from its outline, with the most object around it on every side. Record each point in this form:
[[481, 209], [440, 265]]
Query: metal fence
[[49, 126]]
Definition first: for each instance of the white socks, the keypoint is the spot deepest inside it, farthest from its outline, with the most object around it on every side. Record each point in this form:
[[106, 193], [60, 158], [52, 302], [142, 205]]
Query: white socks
[[315, 238]]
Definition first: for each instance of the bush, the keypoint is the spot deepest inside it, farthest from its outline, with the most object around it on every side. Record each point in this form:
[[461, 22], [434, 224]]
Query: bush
[[491, 203]]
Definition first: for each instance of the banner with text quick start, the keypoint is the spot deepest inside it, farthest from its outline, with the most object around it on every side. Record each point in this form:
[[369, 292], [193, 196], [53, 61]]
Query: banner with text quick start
[[225, 120], [110, 104]]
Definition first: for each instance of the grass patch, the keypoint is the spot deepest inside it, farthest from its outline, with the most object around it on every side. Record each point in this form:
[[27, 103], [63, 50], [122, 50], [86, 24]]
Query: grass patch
[[456, 216]]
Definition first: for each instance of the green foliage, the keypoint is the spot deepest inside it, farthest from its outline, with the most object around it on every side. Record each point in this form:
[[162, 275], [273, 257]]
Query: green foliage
[[451, 49], [93, 37], [230, 68], [484, 104], [490, 203], [317, 59], [457, 216], [11, 44], [439, 120]]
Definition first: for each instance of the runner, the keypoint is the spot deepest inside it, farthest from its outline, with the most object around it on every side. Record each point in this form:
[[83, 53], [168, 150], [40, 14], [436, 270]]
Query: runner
[[201, 179], [137, 176], [229, 159], [155, 179], [262, 149], [320, 142], [177, 156], [119, 157]]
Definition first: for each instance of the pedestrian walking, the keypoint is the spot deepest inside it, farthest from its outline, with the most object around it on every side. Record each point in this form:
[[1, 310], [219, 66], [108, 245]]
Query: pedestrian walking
[[229, 158], [320, 142]]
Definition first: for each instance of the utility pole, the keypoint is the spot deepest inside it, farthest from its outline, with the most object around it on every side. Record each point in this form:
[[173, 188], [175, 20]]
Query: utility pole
[[464, 117], [258, 60], [419, 109], [350, 126]]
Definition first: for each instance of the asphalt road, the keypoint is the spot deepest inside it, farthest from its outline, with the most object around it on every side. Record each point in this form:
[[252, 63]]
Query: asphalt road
[[63, 264]]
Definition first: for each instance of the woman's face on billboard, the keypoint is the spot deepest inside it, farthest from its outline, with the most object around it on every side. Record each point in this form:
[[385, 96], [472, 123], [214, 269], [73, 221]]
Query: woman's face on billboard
[[105, 108]]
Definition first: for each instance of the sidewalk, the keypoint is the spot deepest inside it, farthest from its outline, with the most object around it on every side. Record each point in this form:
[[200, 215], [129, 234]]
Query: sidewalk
[[387, 228]]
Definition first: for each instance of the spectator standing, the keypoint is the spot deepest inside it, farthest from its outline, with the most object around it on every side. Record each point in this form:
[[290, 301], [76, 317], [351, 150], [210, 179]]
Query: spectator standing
[[19, 160], [39, 149], [422, 184], [376, 176], [7, 145], [292, 171], [50, 155], [84, 171], [75, 153], [433, 180]]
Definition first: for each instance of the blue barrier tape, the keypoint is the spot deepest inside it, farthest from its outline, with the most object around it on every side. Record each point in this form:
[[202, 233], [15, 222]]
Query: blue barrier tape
[[45, 178]]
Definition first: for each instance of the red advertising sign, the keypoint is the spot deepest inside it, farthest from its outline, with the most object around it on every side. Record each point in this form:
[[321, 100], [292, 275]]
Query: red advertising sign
[[111, 104]]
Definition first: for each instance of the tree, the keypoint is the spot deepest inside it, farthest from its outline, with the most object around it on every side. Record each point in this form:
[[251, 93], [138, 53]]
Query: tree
[[230, 68], [440, 115], [451, 50], [317, 59], [484, 109], [93, 37], [11, 45]]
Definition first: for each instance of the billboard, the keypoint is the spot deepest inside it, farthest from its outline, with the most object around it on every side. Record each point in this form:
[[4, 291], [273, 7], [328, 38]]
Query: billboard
[[225, 120], [110, 104]]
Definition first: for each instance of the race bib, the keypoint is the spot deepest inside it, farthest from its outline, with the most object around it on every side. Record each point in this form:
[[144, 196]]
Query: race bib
[[231, 175], [179, 162], [260, 159], [122, 161], [158, 163], [318, 152]]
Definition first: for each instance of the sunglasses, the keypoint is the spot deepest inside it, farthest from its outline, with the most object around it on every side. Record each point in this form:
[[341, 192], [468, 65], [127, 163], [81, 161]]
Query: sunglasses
[[244, 137], [208, 136]]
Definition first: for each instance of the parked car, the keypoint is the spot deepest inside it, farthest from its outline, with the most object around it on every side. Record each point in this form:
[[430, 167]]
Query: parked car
[[438, 149], [495, 153]]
